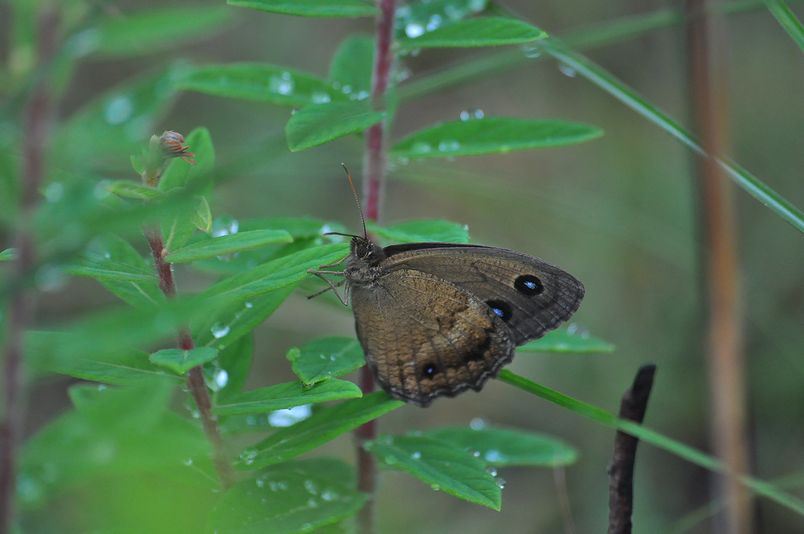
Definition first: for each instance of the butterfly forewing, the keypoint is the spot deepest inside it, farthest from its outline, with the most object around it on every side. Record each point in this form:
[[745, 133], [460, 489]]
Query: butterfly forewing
[[426, 337], [531, 296]]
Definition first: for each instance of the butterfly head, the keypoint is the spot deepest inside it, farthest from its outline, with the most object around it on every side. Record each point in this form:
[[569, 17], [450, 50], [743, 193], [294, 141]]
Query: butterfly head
[[365, 250]]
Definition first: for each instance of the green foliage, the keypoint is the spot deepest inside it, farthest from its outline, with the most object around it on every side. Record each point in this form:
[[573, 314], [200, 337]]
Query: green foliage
[[133, 431]]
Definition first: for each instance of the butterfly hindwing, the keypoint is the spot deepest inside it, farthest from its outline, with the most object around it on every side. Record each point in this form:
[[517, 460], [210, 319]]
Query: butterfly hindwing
[[531, 296], [425, 337]]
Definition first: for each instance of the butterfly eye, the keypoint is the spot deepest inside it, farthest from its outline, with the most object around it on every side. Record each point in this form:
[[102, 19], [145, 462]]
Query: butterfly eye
[[528, 285], [500, 309]]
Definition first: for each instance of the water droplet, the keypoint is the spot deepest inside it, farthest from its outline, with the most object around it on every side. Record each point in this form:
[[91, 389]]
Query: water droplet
[[283, 84], [493, 455], [416, 455], [492, 471], [478, 114], [500, 482], [220, 379], [329, 495], [188, 462], [319, 97], [434, 22], [260, 482], [476, 454], [567, 70], [248, 456], [310, 486], [346, 89], [435, 487], [219, 330], [414, 29], [477, 423], [448, 145], [360, 95], [312, 503], [289, 416], [224, 226], [532, 51], [465, 116], [572, 328], [118, 110], [420, 147], [54, 191], [249, 305]]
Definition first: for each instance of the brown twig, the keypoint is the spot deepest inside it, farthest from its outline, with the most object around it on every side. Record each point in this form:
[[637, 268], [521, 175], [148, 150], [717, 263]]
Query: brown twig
[[724, 347], [621, 471], [373, 189], [195, 378], [20, 310]]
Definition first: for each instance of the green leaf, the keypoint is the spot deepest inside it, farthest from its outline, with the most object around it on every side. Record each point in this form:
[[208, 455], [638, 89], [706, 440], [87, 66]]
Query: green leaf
[[152, 30], [227, 244], [415, 18], [325, 358], [422, 232], [506, 447], [238, 318], [493, 135], [260, 82], [352, 65], [648, 435], [311, 8], [787, 20], [298, 227], [202, 216], [322, 427], [8, 254], [297, 496], [318, 124], [112, 127], [628, 96], [476, 32], [567, 340], [278, 273], [287, 395], [180, 361], [236, 360], [132, 190], [440, 465]]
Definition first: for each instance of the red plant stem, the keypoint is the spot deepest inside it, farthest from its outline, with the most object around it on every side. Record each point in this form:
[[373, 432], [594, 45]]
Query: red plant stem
[[373, 190], [724, 325], [20, 310], [195, 378]]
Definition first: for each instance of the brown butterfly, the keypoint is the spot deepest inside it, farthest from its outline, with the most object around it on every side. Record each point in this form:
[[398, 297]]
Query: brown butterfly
[[436, 319]]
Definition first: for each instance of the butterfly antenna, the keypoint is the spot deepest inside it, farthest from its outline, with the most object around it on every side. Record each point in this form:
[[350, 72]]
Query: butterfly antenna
[[357, 199]]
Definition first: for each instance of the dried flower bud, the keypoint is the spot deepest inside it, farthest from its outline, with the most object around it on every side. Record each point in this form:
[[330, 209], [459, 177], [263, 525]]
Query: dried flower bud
[[172, 144]]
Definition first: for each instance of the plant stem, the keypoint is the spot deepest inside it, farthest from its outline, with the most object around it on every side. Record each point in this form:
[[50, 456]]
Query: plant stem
[[374, 166], [20, 311], [195, 378], [724, 346], [621, 471]]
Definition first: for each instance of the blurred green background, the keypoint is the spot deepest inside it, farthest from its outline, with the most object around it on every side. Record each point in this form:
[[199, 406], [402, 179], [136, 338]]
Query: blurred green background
[[618, 212]]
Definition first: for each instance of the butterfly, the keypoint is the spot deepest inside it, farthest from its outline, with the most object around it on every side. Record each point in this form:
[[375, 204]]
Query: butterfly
[[436, 319]]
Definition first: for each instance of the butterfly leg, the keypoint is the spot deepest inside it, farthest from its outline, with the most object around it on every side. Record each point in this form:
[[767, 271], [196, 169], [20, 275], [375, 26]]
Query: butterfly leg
[[335, 264], [333, 287]]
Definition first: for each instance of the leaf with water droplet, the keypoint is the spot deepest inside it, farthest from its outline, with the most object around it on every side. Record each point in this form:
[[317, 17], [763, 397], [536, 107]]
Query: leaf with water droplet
[[422, 231], [470, 33], [325, 358], [565, 341], [440, 465], [286, 395], [227, 244], [311, 8], [317, 124], [180, 361]]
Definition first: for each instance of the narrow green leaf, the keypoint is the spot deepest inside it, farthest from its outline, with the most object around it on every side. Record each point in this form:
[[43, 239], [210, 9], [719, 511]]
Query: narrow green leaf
[[422, 231], [228, 244], [441, 465], [416, 18], [322, 427], [311, 8], [260, 82], [476, 32], [287, 395], [506, 447], [648, 435], [491, 135], [180, 361], [8, 254], [320, 123], [628, 96], [278, 273], [149, 31], [787, 20], [298, 227], [352, 65], [109, 270], [325, 358], [297, 496], [132, 190], [567, 340]]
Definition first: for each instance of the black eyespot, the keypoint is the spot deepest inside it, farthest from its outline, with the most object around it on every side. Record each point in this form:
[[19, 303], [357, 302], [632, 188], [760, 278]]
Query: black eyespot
[[429, 370], [500, 308], [528, 285]]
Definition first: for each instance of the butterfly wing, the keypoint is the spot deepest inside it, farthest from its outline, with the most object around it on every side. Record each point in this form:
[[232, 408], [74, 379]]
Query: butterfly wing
[[424, 337], [531, 296]]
